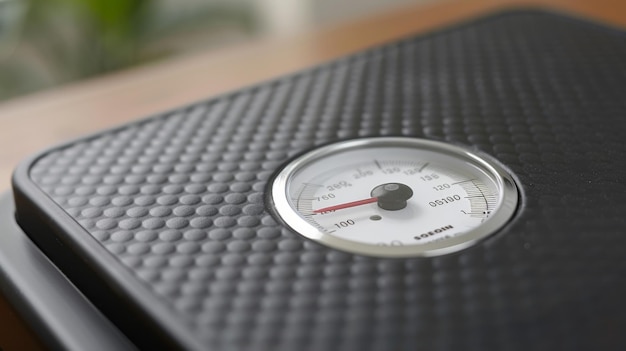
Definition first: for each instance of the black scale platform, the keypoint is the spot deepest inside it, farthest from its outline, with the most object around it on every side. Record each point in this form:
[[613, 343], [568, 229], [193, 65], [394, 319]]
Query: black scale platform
[[163, 224]]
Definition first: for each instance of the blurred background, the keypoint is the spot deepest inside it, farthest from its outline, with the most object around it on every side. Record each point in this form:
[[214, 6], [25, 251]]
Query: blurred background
[[45, 43]]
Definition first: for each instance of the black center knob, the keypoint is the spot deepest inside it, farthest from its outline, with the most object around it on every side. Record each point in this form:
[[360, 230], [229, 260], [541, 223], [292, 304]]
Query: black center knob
[[392, 196]]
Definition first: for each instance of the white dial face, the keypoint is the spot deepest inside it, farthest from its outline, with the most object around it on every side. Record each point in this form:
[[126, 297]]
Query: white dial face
[[394, 197]]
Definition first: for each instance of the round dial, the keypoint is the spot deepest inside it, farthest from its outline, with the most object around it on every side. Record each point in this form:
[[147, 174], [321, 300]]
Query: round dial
[[394, 196]]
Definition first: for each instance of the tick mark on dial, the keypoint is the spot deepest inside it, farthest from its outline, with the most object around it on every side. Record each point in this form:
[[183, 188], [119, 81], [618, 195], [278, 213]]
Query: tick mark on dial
[[378, 165]]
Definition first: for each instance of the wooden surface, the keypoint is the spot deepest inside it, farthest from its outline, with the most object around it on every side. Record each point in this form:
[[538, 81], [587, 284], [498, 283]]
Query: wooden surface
[[38, 121]]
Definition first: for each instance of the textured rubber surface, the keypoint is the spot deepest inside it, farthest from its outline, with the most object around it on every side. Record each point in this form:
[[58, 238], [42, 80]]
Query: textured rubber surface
[[176, 203], [41, 295]]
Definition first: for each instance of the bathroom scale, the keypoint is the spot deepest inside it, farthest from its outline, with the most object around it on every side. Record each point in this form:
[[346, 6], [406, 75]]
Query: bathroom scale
[[460, 189]]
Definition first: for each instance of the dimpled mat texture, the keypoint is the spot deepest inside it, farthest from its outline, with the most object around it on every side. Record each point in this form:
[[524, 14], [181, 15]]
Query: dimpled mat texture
[[179, 200]]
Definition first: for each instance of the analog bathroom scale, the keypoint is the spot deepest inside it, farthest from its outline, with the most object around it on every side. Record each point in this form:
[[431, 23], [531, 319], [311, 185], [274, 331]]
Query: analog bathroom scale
[[463, 189]]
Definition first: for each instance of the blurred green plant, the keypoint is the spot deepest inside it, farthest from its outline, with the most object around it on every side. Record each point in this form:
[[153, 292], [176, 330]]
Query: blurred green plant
[[50, 42]]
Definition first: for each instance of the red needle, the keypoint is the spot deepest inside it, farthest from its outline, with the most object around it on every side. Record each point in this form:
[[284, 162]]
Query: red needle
[[347, 205]]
